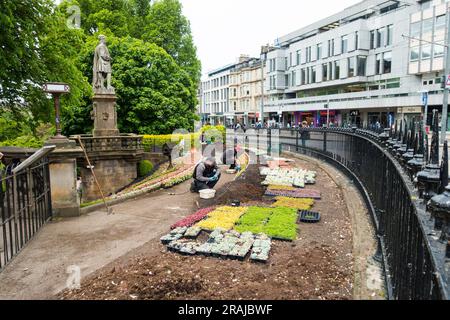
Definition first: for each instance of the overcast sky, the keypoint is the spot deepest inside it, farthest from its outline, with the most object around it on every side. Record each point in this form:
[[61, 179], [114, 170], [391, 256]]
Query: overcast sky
[[223, 29]]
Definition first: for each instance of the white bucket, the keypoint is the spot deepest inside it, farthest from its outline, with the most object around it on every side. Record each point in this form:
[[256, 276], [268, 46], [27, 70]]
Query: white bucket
[[207, 193]]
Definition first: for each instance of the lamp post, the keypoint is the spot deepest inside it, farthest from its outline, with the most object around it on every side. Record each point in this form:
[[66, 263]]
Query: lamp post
[[264, 51], [326, 106], [56, 90], [425, 105]]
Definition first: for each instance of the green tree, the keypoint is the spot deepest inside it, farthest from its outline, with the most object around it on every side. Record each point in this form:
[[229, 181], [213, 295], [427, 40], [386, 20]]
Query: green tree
[[23, 23], [167, 27], [153, 92]]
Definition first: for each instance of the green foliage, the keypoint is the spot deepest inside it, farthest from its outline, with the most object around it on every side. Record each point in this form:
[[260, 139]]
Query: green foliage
[[278, 223], [155, 98], [23, 25], [153, 92], [168, 28], [145, 167], [23, 142]]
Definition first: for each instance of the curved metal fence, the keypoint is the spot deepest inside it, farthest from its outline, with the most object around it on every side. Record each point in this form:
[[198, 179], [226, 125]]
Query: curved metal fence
[[413, 254]]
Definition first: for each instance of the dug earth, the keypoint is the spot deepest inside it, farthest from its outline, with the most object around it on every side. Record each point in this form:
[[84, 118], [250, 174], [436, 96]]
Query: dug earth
[[319, 264]]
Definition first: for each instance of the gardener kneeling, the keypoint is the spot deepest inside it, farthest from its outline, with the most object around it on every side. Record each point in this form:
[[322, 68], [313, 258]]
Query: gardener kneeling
[[206, 175]]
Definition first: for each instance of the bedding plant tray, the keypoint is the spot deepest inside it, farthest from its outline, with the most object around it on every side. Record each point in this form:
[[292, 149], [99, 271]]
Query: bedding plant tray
[[223, 217], [278, 223], [295, 203], [299, 193], [309, 216]]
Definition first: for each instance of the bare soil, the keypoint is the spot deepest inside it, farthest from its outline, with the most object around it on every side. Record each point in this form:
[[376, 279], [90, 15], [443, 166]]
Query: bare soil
[[318, 265]]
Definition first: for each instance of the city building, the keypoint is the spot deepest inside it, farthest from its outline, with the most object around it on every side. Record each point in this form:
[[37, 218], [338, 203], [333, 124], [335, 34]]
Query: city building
[[366, 65], [246, 90], [232, 94]]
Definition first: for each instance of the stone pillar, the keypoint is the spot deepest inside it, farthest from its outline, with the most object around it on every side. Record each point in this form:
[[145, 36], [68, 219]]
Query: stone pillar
[[105, 115], [63, 178]]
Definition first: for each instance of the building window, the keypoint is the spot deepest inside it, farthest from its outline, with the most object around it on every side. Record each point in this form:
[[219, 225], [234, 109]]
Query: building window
[[378, 64], [325, 72], [294, 79], [344, 44], [332, 47], [308, 54], [380, 37], [426, 52], [390, 35], [356, 40], [313, 74], [337, 70], [414, 54], [299, 56], [290, 59], [415, 29], [439, 49], [387, 62], [319, 51], [329, 48], [440, 22], [351, 67], [303, 75], [372, 39], [427, 26], [361, 70]]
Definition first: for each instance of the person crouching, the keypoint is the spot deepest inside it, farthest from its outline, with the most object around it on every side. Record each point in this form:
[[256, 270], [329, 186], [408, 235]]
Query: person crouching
[[206, 175]]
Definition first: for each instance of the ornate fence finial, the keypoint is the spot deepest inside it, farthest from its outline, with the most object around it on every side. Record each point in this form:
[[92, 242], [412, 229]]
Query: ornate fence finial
[[434, 155], [444, 167]]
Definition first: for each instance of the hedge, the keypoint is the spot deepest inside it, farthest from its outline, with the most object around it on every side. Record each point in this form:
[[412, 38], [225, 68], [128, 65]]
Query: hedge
[[150, 141]]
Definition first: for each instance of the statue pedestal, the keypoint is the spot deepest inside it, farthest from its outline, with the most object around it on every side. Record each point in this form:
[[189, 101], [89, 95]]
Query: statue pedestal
[[105, 115]]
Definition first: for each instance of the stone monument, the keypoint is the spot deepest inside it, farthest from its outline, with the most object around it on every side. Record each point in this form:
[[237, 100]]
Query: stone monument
[[114, 156], [104, 113]]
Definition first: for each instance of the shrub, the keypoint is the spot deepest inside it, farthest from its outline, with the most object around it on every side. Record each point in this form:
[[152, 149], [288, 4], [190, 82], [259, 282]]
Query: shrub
[[145, 167]]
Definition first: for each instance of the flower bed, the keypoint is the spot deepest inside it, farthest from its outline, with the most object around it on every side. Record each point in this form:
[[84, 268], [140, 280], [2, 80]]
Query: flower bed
[[193, 219], [278, 223], [295, 203], [288, 177], [299, 193], [254, 220], [282, 224], [223, 218], [278, 187]]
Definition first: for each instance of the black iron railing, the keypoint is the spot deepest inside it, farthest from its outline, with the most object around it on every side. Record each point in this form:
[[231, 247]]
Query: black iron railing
[[413, 254], [25, 205]]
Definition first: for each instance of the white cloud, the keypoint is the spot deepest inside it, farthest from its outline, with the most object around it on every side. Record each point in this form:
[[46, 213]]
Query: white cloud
[[224, 29]]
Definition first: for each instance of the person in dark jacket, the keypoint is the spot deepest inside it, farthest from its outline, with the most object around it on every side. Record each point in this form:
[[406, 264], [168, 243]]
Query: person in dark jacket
[[206, 175]]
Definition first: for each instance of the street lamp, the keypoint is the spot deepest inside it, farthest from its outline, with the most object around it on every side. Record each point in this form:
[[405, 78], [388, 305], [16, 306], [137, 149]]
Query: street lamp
[[56, 90]]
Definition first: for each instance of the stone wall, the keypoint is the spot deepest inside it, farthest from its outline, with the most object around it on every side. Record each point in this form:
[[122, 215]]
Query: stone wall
[[112, 175]]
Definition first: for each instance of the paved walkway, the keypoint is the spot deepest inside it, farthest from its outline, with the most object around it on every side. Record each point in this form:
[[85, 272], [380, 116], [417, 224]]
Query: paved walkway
[[92, 241]]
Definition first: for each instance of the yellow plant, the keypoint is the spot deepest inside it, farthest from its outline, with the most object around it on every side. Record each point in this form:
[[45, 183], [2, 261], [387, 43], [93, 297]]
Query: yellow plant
[[299, 204], [222, 217], [284, 188]]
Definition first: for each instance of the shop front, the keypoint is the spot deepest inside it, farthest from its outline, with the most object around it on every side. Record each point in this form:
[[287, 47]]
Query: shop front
[[324, 115]]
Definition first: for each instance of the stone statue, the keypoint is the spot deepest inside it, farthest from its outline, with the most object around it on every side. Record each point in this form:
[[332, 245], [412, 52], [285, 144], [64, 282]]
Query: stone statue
[[102, 68]]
